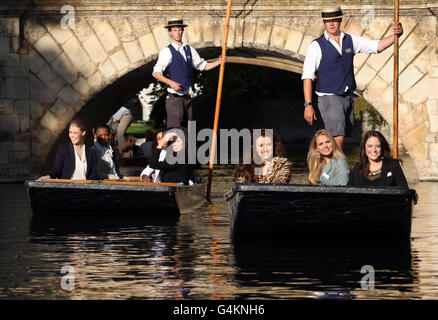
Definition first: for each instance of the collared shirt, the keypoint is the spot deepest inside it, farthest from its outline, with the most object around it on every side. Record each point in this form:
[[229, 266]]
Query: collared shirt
[[335, 173], [314, 54], [119, 114], [80, 166], [165, 58]]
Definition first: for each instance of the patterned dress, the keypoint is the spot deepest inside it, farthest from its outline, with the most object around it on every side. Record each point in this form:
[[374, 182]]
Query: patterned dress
[[280, 174]]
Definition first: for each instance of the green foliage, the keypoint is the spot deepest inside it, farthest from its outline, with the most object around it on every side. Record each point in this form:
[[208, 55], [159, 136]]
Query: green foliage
[[138, 128], [361, 106]]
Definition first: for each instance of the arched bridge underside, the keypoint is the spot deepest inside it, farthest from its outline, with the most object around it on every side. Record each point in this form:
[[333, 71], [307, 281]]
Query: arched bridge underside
[[50, 72]]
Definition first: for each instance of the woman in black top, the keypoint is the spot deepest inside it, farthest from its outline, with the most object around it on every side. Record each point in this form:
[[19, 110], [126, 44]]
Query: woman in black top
[[174, 168], [376, 166]]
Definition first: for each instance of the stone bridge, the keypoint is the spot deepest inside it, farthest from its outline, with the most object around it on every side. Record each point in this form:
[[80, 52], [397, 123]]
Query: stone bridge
[[49, 73]]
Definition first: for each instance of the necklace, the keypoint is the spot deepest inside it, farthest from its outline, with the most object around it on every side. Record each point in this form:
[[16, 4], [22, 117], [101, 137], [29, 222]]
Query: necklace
[[375, 173]]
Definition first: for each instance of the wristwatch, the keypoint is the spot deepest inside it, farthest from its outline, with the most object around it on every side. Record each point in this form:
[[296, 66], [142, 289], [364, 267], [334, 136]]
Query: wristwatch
[[306, 104]]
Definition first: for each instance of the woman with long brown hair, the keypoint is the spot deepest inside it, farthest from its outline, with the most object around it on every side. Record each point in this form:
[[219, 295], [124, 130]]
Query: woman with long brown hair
[[327, 163], [268, 161], [376, 166]]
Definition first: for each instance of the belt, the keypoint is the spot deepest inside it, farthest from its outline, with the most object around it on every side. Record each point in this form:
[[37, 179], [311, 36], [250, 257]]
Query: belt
[[180, 96]]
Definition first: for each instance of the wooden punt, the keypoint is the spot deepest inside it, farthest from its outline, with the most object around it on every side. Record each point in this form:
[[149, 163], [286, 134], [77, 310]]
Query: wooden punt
[[57, 196], [319, 211]]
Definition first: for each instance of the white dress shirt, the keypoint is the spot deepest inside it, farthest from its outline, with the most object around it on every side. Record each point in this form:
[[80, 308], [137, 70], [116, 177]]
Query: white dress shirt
[[314, 54], [165, 58], [80, 166]]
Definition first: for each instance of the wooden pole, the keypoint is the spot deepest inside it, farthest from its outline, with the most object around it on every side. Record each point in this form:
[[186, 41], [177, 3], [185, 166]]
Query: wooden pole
[[218, 101], [395, 89]]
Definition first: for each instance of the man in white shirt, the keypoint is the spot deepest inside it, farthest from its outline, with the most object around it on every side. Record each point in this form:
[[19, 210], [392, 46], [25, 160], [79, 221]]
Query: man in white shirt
[[120, 121], [330, 60], [180, 59]]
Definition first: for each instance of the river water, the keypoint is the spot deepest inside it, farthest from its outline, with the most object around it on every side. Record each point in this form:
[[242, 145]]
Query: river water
[[192, 257]]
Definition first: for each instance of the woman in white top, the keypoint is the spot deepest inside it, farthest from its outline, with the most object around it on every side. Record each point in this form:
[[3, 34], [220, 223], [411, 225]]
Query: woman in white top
[[74, 160]]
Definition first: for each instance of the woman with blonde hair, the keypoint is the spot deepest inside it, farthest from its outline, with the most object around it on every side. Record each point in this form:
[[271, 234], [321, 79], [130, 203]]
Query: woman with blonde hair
[[327, 163]]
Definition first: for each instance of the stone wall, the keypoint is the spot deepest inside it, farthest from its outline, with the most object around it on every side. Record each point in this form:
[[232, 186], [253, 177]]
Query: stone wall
[[15, 134], [49, 73], [432, 111]]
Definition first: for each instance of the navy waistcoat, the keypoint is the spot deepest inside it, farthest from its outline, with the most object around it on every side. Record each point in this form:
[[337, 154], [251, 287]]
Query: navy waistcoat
[[336, 71], [180, 69]]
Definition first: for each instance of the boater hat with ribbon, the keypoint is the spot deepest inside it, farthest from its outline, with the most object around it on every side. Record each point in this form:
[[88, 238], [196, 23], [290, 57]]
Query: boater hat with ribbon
[[175, 23], [331, 13]]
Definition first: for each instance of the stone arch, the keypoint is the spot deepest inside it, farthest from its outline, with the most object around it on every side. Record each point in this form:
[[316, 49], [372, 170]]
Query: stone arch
[[68, 67]]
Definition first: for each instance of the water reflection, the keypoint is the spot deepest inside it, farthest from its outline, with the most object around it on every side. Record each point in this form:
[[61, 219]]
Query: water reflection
[[136, 257], [42, 225], [324, 269]]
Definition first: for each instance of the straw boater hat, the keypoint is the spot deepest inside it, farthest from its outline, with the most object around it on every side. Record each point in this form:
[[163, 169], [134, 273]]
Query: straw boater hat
[[175, 22], [331, 13]]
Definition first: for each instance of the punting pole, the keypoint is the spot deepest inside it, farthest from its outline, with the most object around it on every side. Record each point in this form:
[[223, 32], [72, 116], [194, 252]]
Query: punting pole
[[218, 101], [395, 89]]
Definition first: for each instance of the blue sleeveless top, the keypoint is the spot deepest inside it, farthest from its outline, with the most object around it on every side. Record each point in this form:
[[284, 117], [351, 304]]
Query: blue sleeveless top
[[336, 71], [180, 69]]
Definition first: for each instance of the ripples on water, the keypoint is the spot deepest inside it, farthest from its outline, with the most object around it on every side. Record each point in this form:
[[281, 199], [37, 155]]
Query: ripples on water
[[191, 257]]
